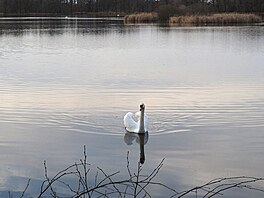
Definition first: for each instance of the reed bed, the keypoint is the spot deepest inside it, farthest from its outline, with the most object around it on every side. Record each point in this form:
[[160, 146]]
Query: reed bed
[[145, 17], [216, 19]]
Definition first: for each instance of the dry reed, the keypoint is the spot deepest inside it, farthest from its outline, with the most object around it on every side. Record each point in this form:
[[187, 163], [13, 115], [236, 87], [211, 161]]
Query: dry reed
[[216, 19], [145, 17]]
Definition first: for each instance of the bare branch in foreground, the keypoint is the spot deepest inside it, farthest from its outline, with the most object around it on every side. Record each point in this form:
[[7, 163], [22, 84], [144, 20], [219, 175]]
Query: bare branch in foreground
[[133, 185], [219, 185]]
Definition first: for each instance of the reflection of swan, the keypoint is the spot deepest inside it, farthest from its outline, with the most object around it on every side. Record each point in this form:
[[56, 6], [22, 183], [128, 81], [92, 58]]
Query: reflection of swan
[[138, 122], [141, 139], [129, 138]]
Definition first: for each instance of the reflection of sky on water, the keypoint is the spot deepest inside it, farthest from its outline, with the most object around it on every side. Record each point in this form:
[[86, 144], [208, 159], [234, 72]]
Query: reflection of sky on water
[[202, 88], [171, 110]]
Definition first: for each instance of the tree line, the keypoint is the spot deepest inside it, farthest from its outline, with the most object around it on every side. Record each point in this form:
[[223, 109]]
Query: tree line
[[82, 7]]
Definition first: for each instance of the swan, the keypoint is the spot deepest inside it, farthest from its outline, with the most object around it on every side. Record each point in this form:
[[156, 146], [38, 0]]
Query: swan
[[138, 122]]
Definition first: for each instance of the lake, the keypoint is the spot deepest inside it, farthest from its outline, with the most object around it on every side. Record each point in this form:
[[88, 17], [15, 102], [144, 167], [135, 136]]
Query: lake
[[68, 83]]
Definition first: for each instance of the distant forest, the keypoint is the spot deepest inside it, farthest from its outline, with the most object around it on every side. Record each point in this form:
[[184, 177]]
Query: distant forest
[[122, 7]]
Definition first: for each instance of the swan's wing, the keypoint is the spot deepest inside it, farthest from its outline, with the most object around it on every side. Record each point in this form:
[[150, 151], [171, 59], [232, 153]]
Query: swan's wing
[[137, 116], [146, 122], [130, 124]]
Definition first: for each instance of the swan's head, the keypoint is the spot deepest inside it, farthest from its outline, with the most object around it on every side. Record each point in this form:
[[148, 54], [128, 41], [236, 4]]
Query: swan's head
[[142, 107]]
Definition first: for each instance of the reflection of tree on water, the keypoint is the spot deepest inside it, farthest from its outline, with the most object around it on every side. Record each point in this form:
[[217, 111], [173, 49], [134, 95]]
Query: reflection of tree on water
[[141, 139]]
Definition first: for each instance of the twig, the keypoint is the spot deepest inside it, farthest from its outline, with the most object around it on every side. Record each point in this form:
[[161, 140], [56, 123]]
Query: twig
[[23, 193], [111, 181]]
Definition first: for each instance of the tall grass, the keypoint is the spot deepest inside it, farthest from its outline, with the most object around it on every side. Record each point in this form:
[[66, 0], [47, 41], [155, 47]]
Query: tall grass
[[217, 19], [145, 17]]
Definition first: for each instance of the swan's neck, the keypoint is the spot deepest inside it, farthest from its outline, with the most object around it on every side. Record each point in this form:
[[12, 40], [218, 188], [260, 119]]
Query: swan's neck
[[141, 122]]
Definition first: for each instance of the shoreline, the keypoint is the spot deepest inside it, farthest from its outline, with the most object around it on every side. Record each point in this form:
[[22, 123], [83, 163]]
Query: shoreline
[[230, 19], [197, 20], [77, 14]]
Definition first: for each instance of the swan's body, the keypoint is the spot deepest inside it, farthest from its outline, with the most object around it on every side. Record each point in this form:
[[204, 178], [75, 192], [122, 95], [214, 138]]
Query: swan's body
[[138, 122]]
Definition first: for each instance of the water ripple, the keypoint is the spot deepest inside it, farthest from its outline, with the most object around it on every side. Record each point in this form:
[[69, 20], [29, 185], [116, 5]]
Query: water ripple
[[101, 111]]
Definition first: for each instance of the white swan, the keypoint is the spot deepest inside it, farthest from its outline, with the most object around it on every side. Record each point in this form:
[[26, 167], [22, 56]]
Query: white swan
[[138, 122]]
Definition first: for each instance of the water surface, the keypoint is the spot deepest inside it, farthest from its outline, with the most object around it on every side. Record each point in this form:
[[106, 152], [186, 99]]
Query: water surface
[[68, 83]]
